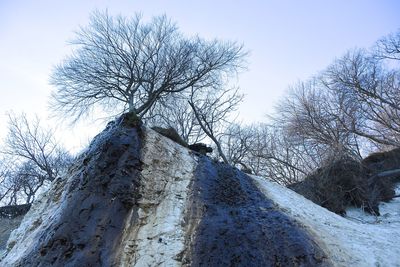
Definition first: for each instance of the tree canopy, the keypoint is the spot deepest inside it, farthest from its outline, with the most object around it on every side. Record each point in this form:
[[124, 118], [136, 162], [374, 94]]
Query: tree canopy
[[125, 64]]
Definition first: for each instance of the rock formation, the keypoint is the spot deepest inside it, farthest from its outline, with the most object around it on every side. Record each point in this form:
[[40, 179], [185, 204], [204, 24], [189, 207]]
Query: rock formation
[[136, 198]]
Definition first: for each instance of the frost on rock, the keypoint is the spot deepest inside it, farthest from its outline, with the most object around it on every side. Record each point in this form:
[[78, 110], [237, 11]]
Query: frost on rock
[[98, 216], [40, 216], [158, 237]]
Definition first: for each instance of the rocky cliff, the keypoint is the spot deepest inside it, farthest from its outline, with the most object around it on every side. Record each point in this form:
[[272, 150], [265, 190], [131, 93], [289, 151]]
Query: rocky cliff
[[136, 198]]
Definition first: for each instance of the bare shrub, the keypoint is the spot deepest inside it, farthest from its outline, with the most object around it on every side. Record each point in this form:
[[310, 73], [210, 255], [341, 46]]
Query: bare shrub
[[335, 186], [345, 181], [31, 159]]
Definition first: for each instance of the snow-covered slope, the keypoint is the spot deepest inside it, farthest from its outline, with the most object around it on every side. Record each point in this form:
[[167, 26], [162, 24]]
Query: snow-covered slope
[[390, 212], [347, 242], [136, 198]]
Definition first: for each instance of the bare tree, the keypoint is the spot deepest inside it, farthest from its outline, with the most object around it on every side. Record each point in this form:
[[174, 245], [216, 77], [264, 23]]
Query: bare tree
[[343, 112], [127, 64], [27, 140], [176, 113], [212, 114], [363, 79], [28, 179], [351, 106], [211, 111], [265, 150], [283, 161], [311, 115], [34, 158], [237, 142], [6, 188], [388, 47]]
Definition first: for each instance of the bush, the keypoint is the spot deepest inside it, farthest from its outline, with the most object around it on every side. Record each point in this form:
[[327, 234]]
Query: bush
[[344, 182], [381, 184], [335, 186]]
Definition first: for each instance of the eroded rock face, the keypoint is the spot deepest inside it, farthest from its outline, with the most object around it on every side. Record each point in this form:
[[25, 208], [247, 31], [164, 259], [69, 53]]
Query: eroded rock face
[[158, 237], [239, 226], [80, 221], [135, 198]]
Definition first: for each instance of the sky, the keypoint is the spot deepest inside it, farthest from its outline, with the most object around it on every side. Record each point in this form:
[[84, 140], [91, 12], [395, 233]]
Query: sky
[[288, 41]]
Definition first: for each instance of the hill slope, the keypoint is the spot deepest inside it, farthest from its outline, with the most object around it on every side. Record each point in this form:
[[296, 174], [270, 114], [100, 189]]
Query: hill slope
[[135, 198], [346, 242]]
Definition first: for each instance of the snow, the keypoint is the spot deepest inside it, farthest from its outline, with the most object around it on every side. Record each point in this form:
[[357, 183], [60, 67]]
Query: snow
[[158, 237], [41, 215], [390, 212], [347, 242], [167, 172]]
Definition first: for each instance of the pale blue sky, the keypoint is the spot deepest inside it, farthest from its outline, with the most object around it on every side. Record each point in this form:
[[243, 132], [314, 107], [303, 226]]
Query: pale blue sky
[[288, 40]]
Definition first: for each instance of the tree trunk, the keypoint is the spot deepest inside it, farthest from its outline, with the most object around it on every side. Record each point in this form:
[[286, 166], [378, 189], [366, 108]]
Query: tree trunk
[[209, 133], [131, 107]]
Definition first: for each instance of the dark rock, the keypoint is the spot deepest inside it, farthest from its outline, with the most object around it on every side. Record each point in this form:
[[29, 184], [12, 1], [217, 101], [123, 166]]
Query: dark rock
[[14, 210], [102, 193], [246, 170], [201, 148], [228, 221], [239, 226]]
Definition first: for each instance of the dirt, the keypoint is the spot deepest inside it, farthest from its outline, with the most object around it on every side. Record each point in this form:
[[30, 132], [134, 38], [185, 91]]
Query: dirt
[[239, 226]]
